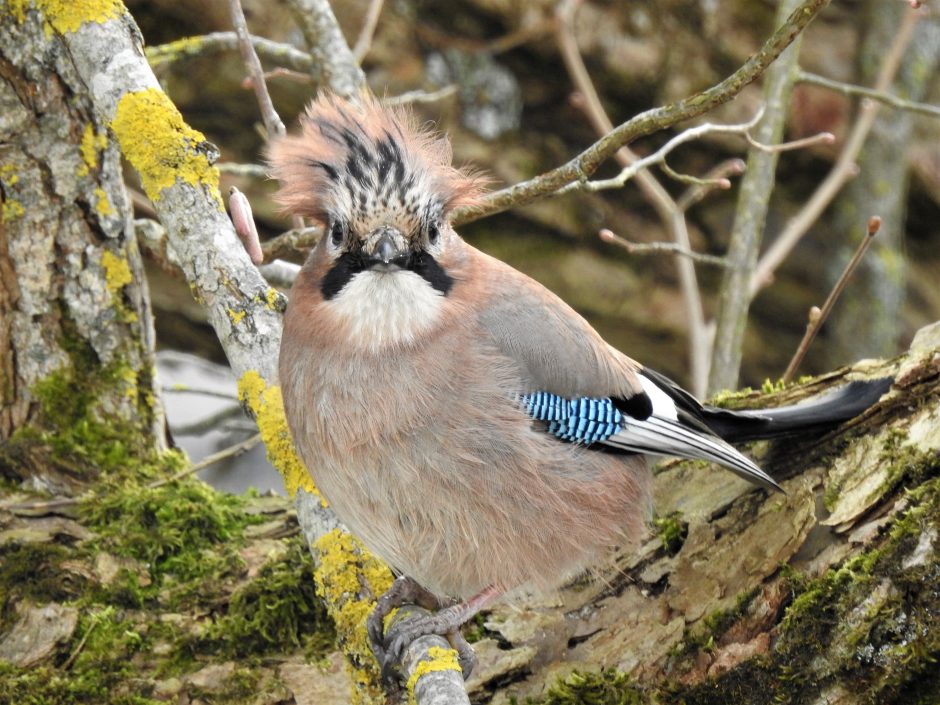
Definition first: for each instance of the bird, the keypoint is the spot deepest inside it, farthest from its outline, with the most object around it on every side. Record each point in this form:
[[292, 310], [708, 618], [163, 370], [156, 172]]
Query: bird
[[471, 428]]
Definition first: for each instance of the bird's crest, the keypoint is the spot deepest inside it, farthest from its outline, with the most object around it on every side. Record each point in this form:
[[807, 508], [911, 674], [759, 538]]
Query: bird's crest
[[363, 162]]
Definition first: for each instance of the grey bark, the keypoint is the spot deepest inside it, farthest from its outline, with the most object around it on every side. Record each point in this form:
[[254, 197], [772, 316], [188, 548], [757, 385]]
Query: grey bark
[[70, 270]]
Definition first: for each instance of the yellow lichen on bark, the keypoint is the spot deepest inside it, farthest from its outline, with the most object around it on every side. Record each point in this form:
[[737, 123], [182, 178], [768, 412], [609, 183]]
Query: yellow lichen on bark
[[161, 146], [266, 404], [440, 660], [68, 15], [91, 144], [350, 579], [117, 271]]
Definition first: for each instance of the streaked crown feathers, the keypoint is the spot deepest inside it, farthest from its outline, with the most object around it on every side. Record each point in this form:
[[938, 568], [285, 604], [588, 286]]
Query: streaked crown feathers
[[365, 163]]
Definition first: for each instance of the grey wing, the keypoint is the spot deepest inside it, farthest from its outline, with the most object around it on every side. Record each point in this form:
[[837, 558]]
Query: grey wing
[[555, 347]]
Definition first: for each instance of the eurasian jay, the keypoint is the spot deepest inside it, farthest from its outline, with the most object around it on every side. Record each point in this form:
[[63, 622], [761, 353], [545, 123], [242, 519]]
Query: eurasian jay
[[467, 425]]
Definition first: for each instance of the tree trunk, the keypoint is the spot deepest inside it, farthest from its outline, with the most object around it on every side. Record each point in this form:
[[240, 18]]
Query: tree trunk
[[76, 334]]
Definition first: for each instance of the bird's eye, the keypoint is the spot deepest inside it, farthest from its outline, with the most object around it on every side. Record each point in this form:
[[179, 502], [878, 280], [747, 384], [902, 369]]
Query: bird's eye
[[336, 233], [434, 233]]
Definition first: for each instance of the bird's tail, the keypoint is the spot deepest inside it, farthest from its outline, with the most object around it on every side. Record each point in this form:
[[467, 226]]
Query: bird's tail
[[829, 409]]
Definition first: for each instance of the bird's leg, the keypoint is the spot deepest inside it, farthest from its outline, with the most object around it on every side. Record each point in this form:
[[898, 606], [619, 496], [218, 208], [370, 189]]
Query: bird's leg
[[465, 655], [404, 591], [446, 622]]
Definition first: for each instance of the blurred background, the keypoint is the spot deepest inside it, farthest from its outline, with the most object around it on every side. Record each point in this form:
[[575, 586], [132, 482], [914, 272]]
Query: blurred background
[[506, 99]]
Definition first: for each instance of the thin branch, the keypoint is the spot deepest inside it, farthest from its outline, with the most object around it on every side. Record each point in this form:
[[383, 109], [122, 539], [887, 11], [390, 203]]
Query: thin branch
[[587, 162], [818, 316], [255, 171], [280, 273], [750, 218], [202, 391], [202, 45], [670, 214], [422, 96], [230, 452], [292, 241], [729, 167], [660, 248], [272, 121], [821, 138], [707, 183], [884, 97], [224, 454], [660, 154], [842, 170], [364, 42], [332, 55]]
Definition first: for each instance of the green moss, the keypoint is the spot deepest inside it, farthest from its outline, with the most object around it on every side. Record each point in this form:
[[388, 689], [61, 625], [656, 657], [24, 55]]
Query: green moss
[[707, 633], [606, 687], [171, 529], [277, 612], [101, 660], [872, 625], [33, 572], [672, 531], [76, 432]]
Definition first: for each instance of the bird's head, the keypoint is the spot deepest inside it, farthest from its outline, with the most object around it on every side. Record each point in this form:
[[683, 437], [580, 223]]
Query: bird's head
[[380, 184]]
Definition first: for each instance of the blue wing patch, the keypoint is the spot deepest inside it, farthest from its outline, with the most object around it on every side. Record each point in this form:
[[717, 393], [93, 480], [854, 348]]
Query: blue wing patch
[[585, 420]]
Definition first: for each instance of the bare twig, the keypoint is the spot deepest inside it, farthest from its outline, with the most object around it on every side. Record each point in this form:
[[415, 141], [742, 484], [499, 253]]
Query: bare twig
[[280, 273], [275, 52], [272, 121], [81, 645], [659, 156], [818, 316], [587, 162], [821, 138], [224, 454], [711, 181], [660, 248], [230, 452], [422, 96], [841, 171], [201, 391], [884, 97], [291, 241], [670, 214], [255, 171], [364, 42]]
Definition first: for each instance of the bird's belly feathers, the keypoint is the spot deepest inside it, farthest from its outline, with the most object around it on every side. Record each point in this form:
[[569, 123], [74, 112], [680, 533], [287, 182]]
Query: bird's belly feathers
[[430, 460]]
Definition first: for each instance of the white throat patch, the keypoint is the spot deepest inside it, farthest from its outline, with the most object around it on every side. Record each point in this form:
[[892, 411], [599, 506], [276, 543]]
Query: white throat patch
[[386, 308]]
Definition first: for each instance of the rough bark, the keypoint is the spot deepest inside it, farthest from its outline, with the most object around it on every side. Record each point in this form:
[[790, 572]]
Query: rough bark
[[76, 333]]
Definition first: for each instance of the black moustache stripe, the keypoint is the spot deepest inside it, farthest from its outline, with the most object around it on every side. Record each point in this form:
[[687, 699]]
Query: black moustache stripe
[[350, 264]]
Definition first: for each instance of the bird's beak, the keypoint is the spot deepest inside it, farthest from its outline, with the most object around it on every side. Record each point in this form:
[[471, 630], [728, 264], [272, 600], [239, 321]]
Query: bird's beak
[[386, 248]]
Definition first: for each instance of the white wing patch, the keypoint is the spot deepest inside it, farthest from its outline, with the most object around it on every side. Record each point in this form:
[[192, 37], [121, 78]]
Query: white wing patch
[[386, 308], [663, 406]]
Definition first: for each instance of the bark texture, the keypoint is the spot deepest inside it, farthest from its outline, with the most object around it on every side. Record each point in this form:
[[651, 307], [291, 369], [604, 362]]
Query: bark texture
[[76, 333]]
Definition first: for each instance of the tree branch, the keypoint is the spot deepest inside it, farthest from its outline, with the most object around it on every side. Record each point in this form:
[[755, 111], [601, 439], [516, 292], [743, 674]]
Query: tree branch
[[587, 162]]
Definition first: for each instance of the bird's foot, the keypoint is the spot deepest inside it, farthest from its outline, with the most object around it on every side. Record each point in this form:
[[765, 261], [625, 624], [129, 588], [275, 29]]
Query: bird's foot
[[445, 622], [404, 591]]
